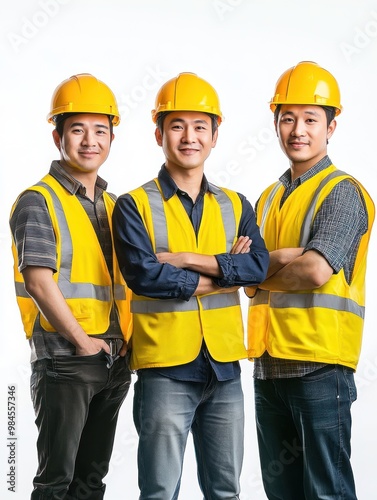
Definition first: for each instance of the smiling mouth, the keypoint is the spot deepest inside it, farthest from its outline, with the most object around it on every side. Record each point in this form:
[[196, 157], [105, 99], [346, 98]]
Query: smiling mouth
[[188, 150], [298, 144]]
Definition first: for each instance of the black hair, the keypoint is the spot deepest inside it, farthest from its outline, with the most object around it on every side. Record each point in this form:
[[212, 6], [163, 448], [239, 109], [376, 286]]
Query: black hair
[[329, 110], [161, 117], [60, 119]]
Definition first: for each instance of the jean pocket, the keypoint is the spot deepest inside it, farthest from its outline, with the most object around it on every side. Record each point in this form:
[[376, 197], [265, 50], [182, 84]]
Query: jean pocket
[[350, 381], [73, 368], [100, 354], [319, 374]]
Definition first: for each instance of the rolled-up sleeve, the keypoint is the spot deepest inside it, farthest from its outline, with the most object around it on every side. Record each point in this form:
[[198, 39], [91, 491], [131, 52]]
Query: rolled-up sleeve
[[33, 232], [138, 262]]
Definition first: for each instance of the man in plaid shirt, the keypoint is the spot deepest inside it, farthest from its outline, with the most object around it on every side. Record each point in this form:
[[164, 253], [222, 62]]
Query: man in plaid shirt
[[306, 320]]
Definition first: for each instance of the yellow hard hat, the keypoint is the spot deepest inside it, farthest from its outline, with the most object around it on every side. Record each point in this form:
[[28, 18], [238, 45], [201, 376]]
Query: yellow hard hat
[[83, 93], [307, 83], [187, 92]]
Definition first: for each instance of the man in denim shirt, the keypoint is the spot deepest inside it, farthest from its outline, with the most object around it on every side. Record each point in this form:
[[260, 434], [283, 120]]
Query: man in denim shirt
[[185, 246]]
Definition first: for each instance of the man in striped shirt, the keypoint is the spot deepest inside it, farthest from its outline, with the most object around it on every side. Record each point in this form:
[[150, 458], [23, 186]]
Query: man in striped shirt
[[72, 298]]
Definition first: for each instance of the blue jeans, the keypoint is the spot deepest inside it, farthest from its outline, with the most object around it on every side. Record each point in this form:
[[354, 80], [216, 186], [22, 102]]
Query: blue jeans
[[165, 410], [304, 435], [76, 401]]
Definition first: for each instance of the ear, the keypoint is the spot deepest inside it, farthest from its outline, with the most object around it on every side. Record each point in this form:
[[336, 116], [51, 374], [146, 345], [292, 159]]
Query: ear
[[158, 136], [276, 127], [57, 139], [331, 129], [214, 138]]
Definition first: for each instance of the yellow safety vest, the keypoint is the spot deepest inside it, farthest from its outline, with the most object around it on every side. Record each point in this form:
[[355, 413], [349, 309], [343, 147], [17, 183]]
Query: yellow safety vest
[[321, 325], [170, 332], [82, 274]]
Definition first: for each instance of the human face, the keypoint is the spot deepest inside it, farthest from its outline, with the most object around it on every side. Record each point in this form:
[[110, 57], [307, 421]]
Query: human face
[[85, 143], [186, 140], [303, 134]]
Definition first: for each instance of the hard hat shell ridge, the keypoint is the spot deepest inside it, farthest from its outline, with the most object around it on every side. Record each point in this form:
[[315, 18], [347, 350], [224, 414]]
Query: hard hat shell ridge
[[83, 93], [187, 92], [307, 83]]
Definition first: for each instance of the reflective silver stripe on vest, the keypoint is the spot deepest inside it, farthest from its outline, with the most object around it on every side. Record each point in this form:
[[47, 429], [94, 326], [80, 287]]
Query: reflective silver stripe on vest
[[119, 292], [228, 216], [208, 302], [73, 291], [158, 216], [66, 241], [267, 205], [68, 289], [278, 300], [307, 224], [262, 297], [159, 219], [20, 290]]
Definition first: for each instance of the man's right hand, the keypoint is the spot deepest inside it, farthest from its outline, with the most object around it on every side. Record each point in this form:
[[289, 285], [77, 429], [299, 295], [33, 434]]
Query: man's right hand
[[242, 245], [92, 347]]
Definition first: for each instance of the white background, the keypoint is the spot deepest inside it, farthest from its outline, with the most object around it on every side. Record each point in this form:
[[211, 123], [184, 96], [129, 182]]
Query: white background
[[241, 47]]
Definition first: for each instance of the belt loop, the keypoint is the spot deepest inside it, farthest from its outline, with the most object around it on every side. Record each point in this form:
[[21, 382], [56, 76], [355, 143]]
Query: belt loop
[[112, 346]]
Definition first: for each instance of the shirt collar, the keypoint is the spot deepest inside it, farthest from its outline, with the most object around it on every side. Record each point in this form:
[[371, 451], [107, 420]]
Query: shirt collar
[[72, 185], [169, 188], [325, 162]]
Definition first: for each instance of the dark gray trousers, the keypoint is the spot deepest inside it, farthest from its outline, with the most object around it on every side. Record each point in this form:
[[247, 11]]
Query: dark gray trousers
[[76, 401]]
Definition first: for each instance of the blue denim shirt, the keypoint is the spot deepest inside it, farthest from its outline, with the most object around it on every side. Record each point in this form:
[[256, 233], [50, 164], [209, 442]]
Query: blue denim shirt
[[145, 276]]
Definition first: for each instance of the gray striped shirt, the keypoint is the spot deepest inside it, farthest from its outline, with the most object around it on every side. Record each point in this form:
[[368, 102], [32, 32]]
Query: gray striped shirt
[[34, 238]]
